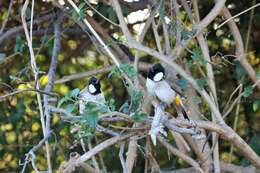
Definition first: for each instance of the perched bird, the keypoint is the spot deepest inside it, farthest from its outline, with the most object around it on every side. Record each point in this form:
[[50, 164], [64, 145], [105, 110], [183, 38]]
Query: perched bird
[[91, 93], [157, 86]]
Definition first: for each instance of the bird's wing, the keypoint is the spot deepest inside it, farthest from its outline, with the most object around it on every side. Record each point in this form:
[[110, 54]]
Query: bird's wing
[[150, 86], [164, 92]]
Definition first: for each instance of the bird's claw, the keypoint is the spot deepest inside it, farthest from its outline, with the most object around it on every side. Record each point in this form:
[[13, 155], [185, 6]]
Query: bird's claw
[[162, 105], [198, 135], [155, 131], [193, 123]]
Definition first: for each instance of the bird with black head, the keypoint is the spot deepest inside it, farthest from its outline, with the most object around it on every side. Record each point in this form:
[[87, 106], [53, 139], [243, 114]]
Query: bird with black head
[[91, 93]]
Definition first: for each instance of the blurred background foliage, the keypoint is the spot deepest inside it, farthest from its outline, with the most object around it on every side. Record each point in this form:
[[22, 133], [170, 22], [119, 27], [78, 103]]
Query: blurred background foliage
[[20, 127]]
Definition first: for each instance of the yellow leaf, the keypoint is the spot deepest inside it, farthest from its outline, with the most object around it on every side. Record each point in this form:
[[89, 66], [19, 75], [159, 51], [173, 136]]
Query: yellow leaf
[[7, 157], [8, 126], [55, 119], [72, 44], [44, 80], [22, 86], [35, 127], [10, 137]]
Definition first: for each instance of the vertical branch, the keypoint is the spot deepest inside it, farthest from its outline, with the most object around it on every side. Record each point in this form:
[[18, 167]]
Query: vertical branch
[[35, 72], [212, 86], [52, 69], [166, 38], [241, 88], [177, 13], [122, 20], [109, 52], [240, 52], [121, 157], [157, 37], [51, 73], [249, 26], [7, 17], [94, 160], [235, 124]]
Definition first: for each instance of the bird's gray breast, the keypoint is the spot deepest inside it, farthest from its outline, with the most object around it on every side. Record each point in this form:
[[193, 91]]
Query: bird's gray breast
[[164, 92], [86, 97]]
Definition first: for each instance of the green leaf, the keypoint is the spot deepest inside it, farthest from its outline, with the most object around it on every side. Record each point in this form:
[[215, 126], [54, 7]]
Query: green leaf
[[129, 70], [101, 8], [139, 116], [14, 78], [111, 104], [136, 97], [202, 82], [256, 105], [185, 34], [82, 11], [19, 44], [114, 72], [190, 63], [70, 107], [173, 27], [197, 100], [44, 39], [90, 115], [74, 93], [197, 56], [112, 14], [18, 112], [240, 71], [124, 108], [258, 75], [125, 9], [50, 47], [91, 120], [247, 91], [183, 83], [255, 145], [162, 10], [62, 100]]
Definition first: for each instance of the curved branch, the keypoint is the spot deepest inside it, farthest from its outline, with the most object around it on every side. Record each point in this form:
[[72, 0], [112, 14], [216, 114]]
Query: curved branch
[[240, 52]]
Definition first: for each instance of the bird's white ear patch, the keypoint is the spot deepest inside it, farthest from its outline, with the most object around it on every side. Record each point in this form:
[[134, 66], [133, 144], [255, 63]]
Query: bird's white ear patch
[[92, 88], [158, 77]]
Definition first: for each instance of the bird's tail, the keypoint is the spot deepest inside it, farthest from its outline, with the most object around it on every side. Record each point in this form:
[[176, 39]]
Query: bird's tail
[[184, 113]]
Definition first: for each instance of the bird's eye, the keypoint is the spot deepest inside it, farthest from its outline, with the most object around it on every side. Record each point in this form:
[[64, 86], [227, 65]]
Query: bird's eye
[[158, 77]]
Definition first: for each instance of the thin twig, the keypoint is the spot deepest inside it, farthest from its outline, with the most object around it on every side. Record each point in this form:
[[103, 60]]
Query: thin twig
[[121, 157], [242, 12], [35, 72], [95, 34], [27, 90], [7, 17]]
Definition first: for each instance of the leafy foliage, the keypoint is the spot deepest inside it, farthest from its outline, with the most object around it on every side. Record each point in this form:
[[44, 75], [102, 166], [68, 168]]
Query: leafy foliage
[[162, 10], [202, 82], [183, 83], [247, 91], [256, 105], [254, 144], [139, 116], [70, 96], [136, 97], [128, 69], [19, 45], [240, 71], [197, 56], [81, 15]]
